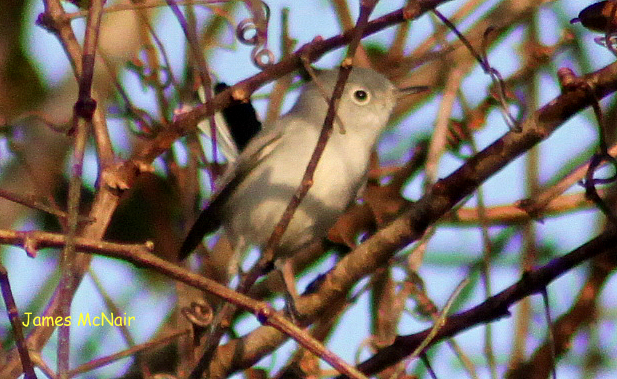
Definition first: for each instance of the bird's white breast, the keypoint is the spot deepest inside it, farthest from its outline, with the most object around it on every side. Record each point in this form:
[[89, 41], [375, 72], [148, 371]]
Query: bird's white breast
[[258, 206]]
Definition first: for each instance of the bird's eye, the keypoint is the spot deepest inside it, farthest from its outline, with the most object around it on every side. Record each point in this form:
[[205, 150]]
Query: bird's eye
[[361, 96]]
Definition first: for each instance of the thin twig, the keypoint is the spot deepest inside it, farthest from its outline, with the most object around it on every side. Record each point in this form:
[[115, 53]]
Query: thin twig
[[439, 322], [541, 202], [147, 4], [268, 253], [133, 350], [82, 119], [538, 365], [202, 67], [496, 306], [551, 335], [445, 194], [482, 59], [13, 315]]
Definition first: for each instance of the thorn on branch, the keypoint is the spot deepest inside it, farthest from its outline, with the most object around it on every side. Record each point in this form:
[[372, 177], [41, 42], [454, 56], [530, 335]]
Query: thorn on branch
[[149, 245], [530, 207], [47, 22], [30, 245], [85, 107], [411, 10], [240, 94], [568, 81], [264, 314], [117, 177]]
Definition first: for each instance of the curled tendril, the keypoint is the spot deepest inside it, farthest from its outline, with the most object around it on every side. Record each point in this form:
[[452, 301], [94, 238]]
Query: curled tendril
[[497, 79], [250, 33], [199, 313], [246, 26], [590, 183], [258, 54], [482, 59], [594, 164]]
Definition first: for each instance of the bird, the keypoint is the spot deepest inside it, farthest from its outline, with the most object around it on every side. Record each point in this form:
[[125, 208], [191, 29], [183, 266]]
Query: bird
[[257, 187]]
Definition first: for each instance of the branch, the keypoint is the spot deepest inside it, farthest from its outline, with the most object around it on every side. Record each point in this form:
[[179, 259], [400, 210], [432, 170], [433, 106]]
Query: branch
[[445, 194], [312, 51], [140, 255], [580, 315], [495, 307], [117, 178]]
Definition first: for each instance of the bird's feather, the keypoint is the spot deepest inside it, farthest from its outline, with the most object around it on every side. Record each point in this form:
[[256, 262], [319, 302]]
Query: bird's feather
[[209, 219]]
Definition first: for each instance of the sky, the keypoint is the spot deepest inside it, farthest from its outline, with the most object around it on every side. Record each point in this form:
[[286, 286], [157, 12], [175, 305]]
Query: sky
[[505, 187]]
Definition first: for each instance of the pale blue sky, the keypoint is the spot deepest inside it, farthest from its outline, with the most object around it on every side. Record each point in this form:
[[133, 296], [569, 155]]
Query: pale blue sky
[[506, 187]]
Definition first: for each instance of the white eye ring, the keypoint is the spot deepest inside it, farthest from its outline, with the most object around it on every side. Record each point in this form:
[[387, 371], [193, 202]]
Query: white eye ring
[[360, 96]]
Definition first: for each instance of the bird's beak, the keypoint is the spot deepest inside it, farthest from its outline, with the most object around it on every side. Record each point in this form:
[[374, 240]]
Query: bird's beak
[[402, 92]]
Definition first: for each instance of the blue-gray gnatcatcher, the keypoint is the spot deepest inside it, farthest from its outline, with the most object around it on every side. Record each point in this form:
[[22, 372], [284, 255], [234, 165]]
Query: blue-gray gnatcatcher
[[259, 185]]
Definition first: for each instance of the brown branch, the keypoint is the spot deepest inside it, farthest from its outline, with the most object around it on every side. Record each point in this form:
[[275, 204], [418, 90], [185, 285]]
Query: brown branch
[[311, 51], [115, 179], [13, 315], [580, 315], [100, 362], [513, 214], [268, 253], [202, 66], [446, 193], [495, 307], [54, 19], [147, 4], [139, 255], [37, 202], [83, 112]]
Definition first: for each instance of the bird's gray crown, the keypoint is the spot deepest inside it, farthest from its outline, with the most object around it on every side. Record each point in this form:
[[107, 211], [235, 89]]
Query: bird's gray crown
[[366, 93]]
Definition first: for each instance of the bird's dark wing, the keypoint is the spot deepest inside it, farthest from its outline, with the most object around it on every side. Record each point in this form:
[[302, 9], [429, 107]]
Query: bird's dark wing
[[209, 219], [241, 119]]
